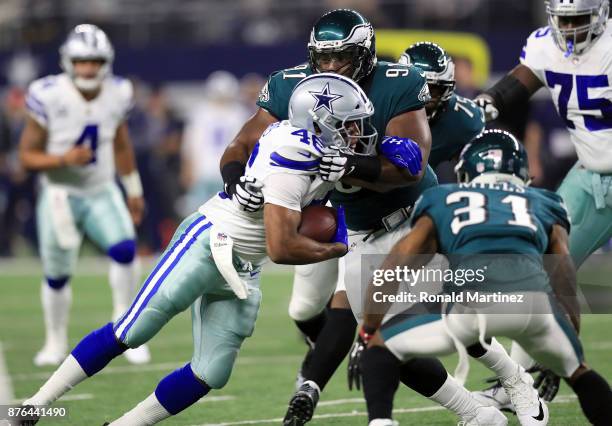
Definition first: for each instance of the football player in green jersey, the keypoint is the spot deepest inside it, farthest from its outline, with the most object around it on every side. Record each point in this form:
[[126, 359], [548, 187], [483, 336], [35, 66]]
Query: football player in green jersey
[[454, 120], [491, 210], [571, 58], [343, 41]]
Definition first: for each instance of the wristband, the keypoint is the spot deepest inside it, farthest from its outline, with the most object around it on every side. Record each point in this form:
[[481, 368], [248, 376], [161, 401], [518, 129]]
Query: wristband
[[363, 167], [366, 336], [132, 185], [231, 174]]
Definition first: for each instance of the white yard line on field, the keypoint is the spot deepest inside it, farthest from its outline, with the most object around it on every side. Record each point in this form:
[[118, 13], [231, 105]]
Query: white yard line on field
[[69, 397], [561, 399], [6, 385], [164, 366], [219, 398]]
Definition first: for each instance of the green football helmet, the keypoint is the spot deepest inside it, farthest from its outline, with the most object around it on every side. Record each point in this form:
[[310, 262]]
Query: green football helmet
[[439, 71], [345, 35], [495, 154]]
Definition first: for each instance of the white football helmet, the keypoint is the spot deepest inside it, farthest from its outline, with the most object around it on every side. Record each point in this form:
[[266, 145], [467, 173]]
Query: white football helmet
[[85, 42], [327, 104], [567, 39]]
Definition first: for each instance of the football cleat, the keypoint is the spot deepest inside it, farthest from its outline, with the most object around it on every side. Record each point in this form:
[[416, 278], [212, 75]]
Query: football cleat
[[495, 396], [139, 355], [29, 420], [302, 405], [49, 355], [485, 416], [530, 409]]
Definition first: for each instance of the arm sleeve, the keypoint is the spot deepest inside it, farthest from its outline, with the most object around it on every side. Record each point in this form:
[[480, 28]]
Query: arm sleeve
[[126, 90], [286, 190]]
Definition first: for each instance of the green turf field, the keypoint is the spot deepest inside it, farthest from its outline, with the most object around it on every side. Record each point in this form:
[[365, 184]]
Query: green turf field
[[263, 378]]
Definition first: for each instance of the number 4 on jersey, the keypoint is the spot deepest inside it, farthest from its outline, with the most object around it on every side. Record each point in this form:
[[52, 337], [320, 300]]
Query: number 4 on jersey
[[89, 135]]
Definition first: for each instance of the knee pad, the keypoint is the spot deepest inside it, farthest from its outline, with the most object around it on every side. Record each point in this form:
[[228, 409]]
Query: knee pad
[[57, 283], [180, 389], [123, 252], [97, 349]]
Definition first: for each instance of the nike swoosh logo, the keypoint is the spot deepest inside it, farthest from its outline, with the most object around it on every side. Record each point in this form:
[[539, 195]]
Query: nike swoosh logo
[[351, 170], [307, 154], [540, 416], [257, 272]]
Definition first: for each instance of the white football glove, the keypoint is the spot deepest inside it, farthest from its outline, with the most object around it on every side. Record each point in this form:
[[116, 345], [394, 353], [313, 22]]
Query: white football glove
[[247, 194], [486, 103], [332, 165]]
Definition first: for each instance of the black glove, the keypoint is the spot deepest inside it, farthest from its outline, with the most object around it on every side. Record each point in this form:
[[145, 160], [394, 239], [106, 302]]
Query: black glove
[[547, 383], [244, 191], [354, 371], [246, 194]]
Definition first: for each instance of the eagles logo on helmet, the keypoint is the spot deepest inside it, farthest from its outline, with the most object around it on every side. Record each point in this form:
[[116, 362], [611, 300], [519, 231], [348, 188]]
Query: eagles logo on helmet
[[345, 34]]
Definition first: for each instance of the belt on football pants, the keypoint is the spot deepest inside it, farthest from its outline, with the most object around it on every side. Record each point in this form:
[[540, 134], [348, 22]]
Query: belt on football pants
[[390, 223]]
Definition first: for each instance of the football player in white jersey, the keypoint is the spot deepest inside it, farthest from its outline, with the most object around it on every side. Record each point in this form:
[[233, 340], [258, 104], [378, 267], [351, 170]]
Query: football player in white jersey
[[76, 135], [572, 58], [214, 260]]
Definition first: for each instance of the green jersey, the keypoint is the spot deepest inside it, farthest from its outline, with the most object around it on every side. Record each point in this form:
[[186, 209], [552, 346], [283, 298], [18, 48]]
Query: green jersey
[[453, 128], [479, 219], [393, 89]]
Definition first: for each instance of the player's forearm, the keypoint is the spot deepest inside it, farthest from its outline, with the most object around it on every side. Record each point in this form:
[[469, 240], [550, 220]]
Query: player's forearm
[[562, 274], [390, 177], [40, 161], [237, 151], [125, 161], [124, 154], [240, 148], [412, 125], [301, 250], [514, 89]]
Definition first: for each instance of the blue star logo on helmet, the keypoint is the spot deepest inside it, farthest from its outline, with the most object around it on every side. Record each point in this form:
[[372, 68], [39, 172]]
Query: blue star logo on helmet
[[325, 99]]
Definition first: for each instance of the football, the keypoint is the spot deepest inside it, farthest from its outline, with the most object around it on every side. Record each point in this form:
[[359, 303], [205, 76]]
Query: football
[[318, 223]]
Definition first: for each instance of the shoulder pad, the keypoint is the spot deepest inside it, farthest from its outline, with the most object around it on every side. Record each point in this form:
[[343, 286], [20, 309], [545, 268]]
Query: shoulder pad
[[39, 97], [124, 91]]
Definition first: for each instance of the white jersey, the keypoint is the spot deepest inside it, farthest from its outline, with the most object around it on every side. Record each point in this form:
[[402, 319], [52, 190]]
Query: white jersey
[[581, 88], [56, 104], [286, 161]]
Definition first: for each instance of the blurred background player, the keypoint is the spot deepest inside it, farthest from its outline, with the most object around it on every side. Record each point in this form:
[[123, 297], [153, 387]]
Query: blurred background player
[[214, 121], [571, 57], [76, 136]]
